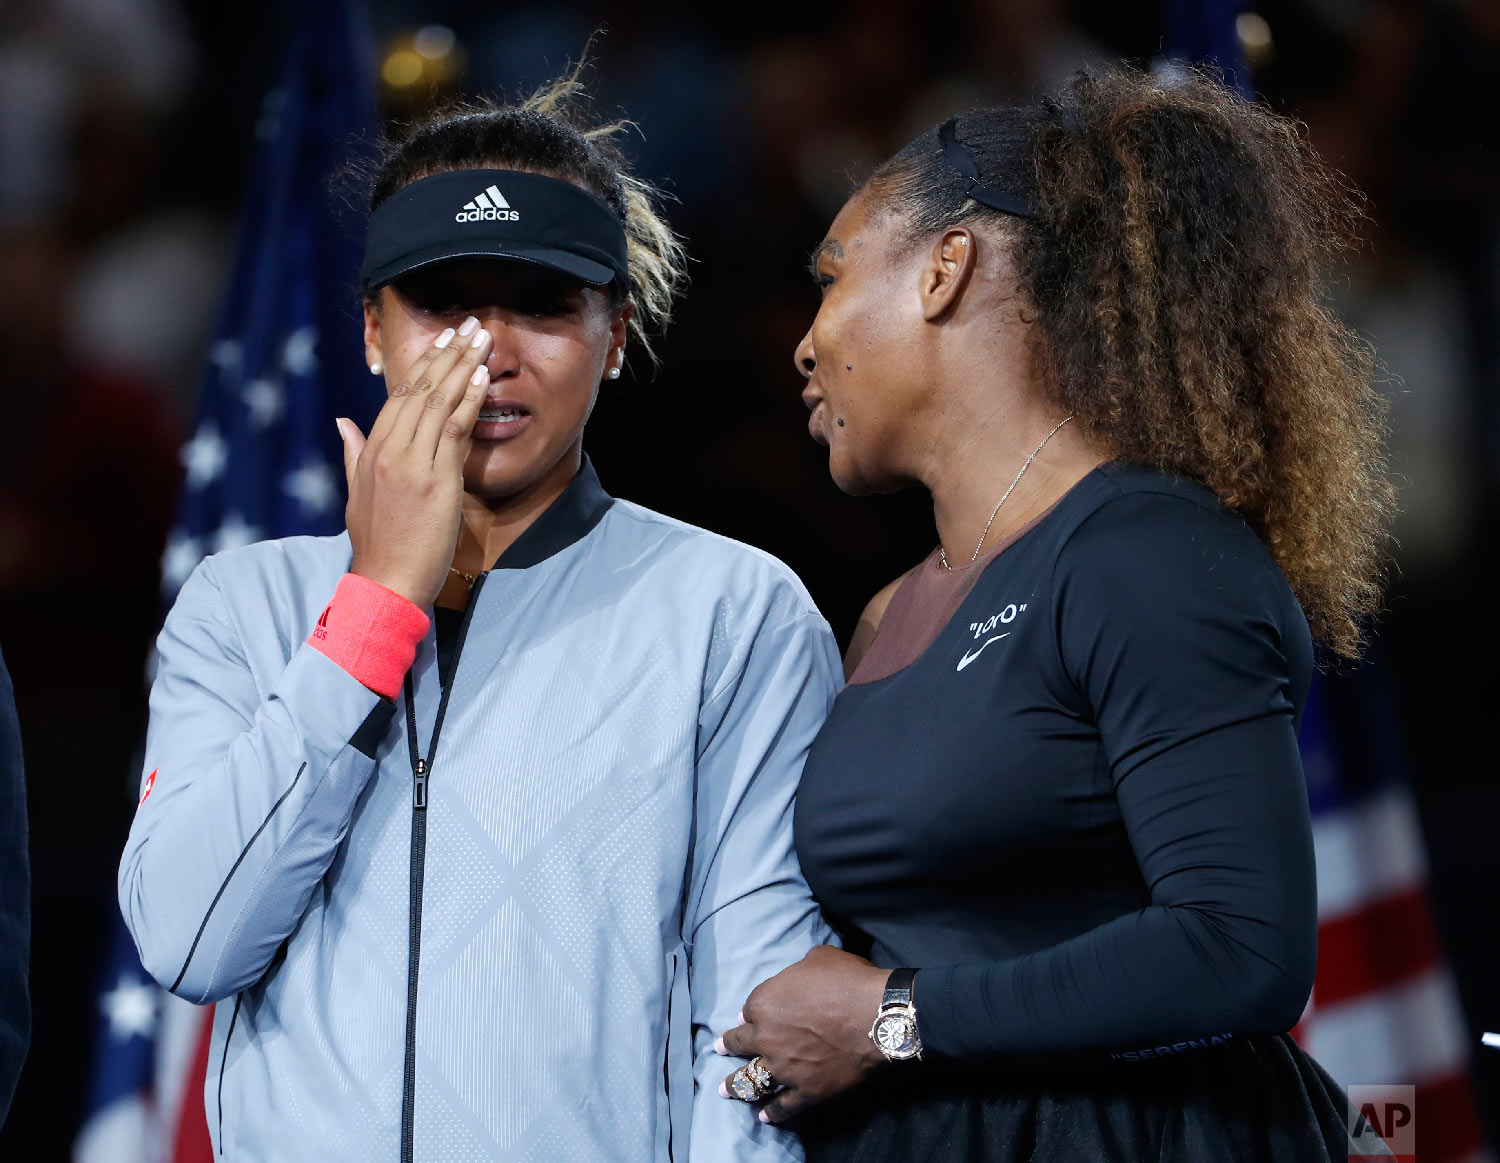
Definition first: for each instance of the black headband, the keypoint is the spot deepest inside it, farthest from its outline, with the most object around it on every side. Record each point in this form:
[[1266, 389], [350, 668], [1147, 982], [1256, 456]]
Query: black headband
[[963, 161], [494, 214]]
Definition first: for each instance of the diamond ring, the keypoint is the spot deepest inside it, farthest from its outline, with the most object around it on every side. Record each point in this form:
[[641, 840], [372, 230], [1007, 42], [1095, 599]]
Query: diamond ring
[[752, 1081]]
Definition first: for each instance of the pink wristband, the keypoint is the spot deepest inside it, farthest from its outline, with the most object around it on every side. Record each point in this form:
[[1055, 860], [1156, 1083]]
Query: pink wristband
[[370, 631]]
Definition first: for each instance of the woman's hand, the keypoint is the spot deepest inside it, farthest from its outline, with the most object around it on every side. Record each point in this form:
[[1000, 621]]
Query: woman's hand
[[406, 479], [810, 1024]]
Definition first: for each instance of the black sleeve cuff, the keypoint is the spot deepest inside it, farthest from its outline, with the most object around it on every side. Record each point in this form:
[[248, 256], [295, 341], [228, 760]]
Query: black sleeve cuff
[[367, 739]]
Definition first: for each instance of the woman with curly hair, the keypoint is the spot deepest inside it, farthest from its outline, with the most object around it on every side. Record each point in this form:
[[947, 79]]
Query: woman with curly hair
[[476, 819], [1058, 814]]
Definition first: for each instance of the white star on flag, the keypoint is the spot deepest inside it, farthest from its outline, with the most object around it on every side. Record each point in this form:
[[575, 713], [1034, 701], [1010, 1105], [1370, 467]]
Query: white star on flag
[[226, 353], [300, 354], [234, 533], [205, 456], [313, 485], [181, 558], [264, 399], [130, 1008]]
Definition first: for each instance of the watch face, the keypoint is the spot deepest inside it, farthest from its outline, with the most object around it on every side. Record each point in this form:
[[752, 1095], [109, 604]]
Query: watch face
[[896, 1035]]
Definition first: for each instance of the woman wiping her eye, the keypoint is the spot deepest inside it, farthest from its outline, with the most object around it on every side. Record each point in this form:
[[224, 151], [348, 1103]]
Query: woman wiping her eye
[[476, 819]]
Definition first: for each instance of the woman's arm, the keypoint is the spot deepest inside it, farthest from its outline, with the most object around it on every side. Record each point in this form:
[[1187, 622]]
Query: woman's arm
[[749, 912], [248, 796], [1226, 946]]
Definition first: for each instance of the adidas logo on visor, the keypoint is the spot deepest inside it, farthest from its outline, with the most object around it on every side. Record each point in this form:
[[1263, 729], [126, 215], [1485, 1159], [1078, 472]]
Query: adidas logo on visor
[[489, 206]]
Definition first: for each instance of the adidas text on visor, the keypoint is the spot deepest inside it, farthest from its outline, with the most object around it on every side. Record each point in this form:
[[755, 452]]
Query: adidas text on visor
[[494, 214]]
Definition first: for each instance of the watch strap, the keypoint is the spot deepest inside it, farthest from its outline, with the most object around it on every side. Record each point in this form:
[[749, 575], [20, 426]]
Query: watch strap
[[898, 988]]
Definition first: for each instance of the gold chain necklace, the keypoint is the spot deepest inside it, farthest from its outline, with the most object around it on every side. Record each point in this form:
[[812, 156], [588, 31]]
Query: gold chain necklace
[[943, 555], [468, 577]]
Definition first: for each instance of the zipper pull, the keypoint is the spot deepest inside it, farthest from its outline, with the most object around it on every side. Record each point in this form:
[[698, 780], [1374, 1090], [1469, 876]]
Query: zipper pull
[[419, 789]]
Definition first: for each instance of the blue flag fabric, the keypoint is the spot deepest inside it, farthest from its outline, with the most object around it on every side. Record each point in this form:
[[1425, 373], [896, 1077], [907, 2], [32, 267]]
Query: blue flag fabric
[[125, 1025], [1203, 32], [263, 460]]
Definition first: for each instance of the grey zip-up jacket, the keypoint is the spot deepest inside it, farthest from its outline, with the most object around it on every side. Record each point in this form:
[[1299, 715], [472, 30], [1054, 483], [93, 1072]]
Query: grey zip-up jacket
[[525, 951]]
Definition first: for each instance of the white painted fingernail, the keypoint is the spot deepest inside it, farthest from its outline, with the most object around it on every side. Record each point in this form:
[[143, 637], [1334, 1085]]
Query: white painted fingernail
[[719, 1046], [742, 1017], [723, 1090], [763, 1117], [481, 376], [480, 339], [445, 338], [468, 325]]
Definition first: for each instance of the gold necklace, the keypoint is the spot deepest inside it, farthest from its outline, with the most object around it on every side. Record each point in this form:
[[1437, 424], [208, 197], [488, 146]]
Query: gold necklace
[[942, 554], [468, 577]]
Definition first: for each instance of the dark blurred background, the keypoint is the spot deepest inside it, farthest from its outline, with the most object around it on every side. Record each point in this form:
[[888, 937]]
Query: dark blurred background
[[126, 129]]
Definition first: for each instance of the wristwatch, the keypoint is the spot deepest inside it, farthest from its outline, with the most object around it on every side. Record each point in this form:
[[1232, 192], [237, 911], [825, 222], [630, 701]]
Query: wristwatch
[[895, 1030]]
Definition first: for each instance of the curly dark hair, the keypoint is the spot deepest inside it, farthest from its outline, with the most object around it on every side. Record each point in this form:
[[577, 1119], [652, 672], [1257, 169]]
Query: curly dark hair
[[547, 133], [1175, 269]]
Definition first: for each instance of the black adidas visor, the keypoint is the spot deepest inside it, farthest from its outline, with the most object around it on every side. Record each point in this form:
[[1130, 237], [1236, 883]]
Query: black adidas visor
[[503, 214]]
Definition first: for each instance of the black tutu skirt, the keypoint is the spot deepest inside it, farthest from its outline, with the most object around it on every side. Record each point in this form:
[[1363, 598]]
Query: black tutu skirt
[[1256, 1100]]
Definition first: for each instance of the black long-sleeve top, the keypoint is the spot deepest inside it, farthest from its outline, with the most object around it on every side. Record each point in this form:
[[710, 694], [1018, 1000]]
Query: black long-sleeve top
[[1076, 804], [15, 900]]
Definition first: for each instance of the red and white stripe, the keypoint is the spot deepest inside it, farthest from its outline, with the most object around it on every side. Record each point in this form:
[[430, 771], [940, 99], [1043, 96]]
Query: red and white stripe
[[1384, 1008]]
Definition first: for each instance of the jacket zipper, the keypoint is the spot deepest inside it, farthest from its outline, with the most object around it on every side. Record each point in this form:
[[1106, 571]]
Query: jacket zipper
[[421, 773]]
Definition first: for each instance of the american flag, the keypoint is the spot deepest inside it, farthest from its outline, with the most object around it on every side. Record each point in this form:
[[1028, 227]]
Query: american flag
[[263, 461], [1384, 1007]]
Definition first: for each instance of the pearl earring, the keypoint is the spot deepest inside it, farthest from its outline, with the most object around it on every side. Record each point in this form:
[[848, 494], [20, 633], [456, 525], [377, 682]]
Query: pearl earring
[[377, 368], [614, 373]]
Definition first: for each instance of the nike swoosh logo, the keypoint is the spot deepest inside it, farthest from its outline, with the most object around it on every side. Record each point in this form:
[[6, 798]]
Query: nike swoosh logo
[[968, 658]]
